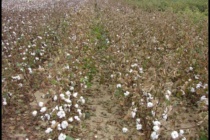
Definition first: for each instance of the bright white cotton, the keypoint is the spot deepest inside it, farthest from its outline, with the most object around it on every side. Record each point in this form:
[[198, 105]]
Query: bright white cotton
[[174, 134], [125, 130], [64, 124], [154, 135], [62, 136], [34, 113]]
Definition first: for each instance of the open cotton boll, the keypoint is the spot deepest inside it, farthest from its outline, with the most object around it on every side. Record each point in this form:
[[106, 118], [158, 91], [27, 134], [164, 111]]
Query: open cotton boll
[[71, 119], [68, 93], [154, 135], [156, 123], [75, 95], [192, 89], [5, 102], [53, 122], [168, 92], [71, 88], [55, 98], [133, 114], [174, 134], [82, 100], [34, 113], [167, 97], [61, 114], [41, 104], [48, 130], [156, 128], [62, 136], [68, 100], [165, 116], [138, 126], [43, 109], [60, 107], [153, 113], [126, 93], [76, 105], [138, 120], [47, 116], [77, 118], [184, 138], [62, 96], [181, 132], [125, 130], [59, 127], [149, 104], [64, 124], [119, 85], [30, 70]]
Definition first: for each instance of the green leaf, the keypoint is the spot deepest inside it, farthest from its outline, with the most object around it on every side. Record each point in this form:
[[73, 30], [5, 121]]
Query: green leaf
[[69, 138]]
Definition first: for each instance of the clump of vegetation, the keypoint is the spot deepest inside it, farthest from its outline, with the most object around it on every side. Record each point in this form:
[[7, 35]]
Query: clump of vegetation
[[196, 10]]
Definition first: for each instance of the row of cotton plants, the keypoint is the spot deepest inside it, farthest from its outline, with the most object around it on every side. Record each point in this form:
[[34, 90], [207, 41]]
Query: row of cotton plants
[[62, 117], [155, 74]]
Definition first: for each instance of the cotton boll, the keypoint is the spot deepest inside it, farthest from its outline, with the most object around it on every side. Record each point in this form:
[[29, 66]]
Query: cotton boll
[[82, 100], [62, 136], [165, 116], [138, 120], [53, 122], [157, 123], [61, 114], [62, 96], [55, 98], [77, 118], [4, 102], [203, 98], [168, 92], [30, 70], [64, 124], [60, 108], [184, 138], [125, 130], [181, 132], [156, 128], [43, 109], [71, 119], [190, 68], [126, 93], [153, 113], [119, 85], [192, 89], [133, 114], [34, 113], [68, 93], [75, 95], [76, 105], [149, 104], [47, 116], [71, 88], [41, 104], [138, 126], [167, 97], [174, 134], [67, 100], [48, 130], [154, 135], [59, 127], [56, 108]]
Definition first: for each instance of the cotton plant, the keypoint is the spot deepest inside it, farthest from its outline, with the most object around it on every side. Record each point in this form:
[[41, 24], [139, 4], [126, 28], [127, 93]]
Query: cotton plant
[[61, 115], [156, 127]]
